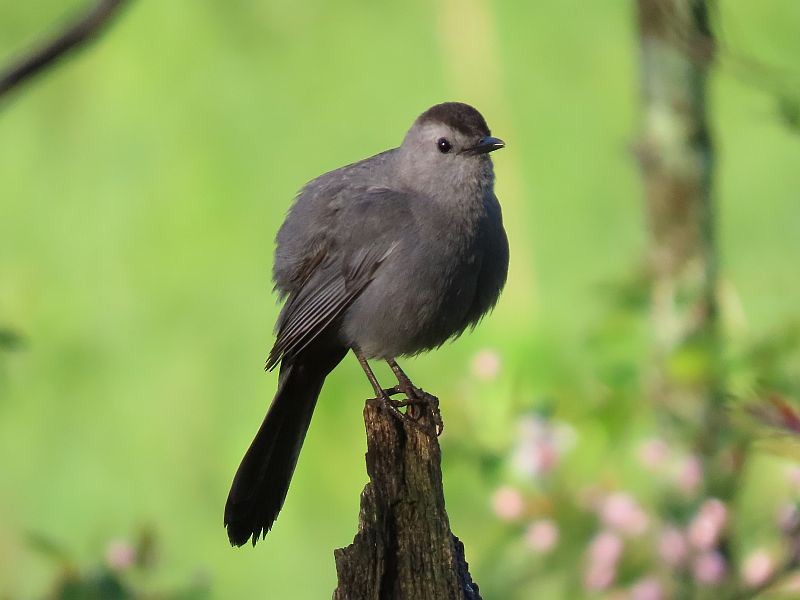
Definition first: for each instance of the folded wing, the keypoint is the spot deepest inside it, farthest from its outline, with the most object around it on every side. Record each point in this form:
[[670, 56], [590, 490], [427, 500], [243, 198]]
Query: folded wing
[[365, 233]]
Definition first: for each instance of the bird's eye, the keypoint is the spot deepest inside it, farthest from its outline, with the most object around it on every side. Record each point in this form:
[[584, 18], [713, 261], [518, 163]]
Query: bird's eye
[[443, 145]]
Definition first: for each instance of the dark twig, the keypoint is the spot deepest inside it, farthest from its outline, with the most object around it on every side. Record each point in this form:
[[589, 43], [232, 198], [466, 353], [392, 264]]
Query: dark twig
[[75, 35]]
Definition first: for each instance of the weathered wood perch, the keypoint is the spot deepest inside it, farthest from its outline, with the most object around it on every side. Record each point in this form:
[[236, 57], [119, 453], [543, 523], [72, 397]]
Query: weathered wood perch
[[404, 548]]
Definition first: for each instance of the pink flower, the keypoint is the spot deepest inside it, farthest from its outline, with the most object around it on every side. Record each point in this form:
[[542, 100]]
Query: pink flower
[[605, 548], [703, 533], [757, 568], [690, 475], [647, 589], [715, 509], [599, 577], [508, 503], [604, 552], [672, 546], [707, 525], [620, 511], [542, 536], [486, 365], [533, 458], [793, 476], [709, 568], [540, 445], [653, 453], [120, 555]]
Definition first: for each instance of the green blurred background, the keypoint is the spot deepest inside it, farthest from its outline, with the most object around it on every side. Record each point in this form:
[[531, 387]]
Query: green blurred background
[[142, 183]]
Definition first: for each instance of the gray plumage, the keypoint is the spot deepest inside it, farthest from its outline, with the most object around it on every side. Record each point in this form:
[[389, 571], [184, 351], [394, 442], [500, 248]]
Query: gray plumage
[[392, 255]]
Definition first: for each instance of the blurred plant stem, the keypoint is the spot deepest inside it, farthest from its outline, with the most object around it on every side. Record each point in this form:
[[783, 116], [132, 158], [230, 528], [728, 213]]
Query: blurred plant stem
[[676, 154]]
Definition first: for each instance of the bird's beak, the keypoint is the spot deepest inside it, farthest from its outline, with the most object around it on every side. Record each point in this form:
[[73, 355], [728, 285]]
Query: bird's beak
[[487, 144]]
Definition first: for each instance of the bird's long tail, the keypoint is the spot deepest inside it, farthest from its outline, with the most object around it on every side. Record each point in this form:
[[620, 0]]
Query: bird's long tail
[[262, 480]]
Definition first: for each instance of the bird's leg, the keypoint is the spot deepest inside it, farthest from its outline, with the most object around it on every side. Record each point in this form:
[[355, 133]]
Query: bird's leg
[[403, 382], [416, 396], [382, 395], [362, 360]]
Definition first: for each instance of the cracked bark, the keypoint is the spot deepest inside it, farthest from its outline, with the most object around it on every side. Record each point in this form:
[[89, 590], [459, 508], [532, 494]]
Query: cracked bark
[[404, 547]]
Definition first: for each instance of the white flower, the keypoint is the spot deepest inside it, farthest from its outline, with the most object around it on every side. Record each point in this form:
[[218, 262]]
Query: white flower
[[540, 445]]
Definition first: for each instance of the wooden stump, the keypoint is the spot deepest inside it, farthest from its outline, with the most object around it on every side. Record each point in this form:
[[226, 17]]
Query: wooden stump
[[404, 548]]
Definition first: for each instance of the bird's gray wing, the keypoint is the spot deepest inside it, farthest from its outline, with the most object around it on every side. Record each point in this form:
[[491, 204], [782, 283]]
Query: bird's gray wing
[[361, 236]]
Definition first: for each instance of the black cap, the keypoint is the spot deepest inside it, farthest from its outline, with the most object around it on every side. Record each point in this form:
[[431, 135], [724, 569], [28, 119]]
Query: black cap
[[459, 116]]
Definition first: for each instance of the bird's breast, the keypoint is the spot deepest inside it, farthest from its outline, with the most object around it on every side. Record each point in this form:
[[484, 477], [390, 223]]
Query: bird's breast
[[421, 296]]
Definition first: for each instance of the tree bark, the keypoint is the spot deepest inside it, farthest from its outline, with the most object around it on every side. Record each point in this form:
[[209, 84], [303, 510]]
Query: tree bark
[[404, 548], [676, 156], [677, 160]]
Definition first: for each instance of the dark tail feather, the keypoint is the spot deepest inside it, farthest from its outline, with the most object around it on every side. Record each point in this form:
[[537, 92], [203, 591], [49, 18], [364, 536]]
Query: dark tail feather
[[262, 480]]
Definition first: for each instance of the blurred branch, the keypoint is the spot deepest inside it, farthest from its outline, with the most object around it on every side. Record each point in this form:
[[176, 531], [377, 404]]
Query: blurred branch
[[404, 547], [73, 36]]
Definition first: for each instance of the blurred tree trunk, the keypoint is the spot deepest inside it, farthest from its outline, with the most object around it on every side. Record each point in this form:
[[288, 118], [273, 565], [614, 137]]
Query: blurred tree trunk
[[677, 159]]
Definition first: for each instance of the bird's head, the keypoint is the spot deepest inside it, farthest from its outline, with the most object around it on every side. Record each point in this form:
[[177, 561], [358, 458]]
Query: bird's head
[[449, 145]]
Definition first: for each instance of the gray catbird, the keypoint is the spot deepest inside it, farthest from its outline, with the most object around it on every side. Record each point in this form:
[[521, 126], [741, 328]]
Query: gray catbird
[[388, 257]]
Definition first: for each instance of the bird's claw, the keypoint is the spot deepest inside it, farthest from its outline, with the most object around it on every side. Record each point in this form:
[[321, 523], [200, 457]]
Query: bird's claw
[[414, 408]]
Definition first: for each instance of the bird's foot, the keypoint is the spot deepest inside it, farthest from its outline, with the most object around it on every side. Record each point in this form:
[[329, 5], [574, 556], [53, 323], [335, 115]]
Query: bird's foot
[[422, 398], [413, 409], [415, 403], [393, 407], [417, 400]]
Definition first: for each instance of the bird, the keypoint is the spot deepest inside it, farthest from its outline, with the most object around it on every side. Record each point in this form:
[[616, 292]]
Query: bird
[[387, 257]]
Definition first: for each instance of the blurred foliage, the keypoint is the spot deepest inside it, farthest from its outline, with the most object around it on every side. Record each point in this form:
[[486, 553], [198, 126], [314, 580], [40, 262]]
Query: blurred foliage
[[123, 574], [9, 339], [638, 495], [789, 110], [143, 181]]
